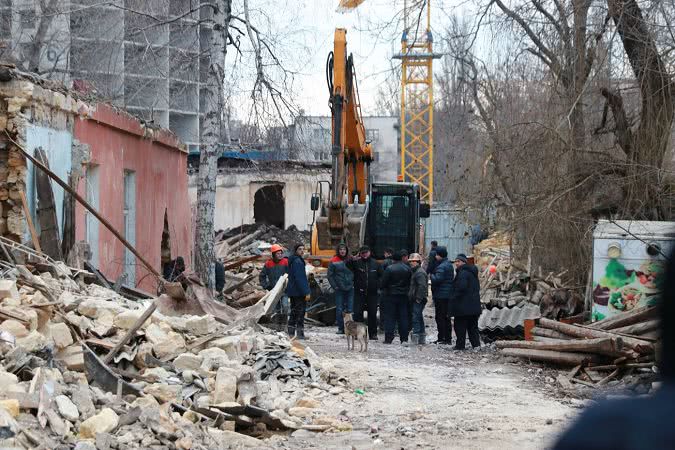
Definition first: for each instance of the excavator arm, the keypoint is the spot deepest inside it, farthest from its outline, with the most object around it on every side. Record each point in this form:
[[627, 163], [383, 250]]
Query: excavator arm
[[343, 216]]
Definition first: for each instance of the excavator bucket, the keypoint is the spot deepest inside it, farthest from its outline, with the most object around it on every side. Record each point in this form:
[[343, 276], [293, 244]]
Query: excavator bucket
[[352, 233], [348, 5]]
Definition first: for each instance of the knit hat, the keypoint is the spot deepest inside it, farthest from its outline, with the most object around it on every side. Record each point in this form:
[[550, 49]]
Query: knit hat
[[461, 257]]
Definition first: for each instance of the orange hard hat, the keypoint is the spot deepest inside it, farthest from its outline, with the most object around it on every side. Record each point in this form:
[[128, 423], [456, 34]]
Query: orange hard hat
[[276, 248]]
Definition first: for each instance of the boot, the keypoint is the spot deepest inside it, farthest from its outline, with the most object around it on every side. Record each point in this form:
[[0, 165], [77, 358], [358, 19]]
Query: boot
[[300, 333], [421, 339], [291, 331]]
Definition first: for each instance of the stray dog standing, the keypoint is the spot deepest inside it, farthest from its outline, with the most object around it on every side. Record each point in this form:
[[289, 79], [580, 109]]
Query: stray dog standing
[[355, 331]]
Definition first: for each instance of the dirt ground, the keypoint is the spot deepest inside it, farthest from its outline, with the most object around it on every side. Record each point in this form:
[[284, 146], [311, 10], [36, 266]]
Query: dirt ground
[[433, 397]]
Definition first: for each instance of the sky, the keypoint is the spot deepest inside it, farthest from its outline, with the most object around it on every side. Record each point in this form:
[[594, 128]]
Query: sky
[[304, 30]]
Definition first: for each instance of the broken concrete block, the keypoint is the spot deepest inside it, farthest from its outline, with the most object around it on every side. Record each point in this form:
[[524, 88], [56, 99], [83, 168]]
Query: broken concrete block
[[225, 389], [95, 308], [163, 342], [28, 315], [85, 445], [127, 319], [163, 392], [299, 411], [307, 402], [14, 327], [7, 379], [145, 402], [82, 400], [33, 342], [200, 325], [143, 350], [57, 424], [214, 358], [234, 439], [67, 408], [230, 344], [79, 321], [61, 335], [103, 422], [12, 406], [8, 289], [156, 374], [187, 361], [72, 357]]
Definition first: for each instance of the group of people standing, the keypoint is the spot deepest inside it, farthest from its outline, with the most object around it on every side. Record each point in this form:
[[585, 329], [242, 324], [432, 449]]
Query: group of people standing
[[398, 287]]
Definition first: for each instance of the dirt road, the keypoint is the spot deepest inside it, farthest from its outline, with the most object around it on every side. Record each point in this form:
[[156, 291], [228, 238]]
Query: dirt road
[[433, 397]]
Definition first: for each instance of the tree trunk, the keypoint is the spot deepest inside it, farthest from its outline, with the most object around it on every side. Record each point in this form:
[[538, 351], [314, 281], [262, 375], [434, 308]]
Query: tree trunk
[[652, 136], [639, 328], [562, 358], [212, 134], [629, 318], [638, 345], [605, 346]]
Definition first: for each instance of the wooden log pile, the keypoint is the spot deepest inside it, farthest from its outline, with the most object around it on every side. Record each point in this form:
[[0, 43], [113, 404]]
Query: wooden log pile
[[505, 284], [618, 345]]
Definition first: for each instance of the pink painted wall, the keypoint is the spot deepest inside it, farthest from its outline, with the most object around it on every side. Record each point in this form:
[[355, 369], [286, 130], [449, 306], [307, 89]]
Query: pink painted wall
[[118, 142]]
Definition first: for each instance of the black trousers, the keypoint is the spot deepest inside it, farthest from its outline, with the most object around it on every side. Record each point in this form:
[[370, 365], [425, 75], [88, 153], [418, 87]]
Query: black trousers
[[395, 313], [368, 303], [464, 324], [297, 316], [441, 305]]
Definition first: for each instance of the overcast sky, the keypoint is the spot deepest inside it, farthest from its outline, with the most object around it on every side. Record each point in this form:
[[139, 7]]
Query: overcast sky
[[373, 36]]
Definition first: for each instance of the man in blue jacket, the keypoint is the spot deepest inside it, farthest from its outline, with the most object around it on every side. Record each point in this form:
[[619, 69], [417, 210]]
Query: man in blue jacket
[[297, 289], [341, 279], [465, 303], [441, 290]]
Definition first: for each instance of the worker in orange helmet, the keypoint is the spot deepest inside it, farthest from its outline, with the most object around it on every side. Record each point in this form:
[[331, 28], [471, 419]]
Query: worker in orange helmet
[[273, 269]]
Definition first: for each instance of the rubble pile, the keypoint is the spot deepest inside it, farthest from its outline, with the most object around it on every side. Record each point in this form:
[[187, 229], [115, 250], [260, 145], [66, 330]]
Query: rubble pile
[[506, 285], [254, 239], [601, 352], [179, 381]]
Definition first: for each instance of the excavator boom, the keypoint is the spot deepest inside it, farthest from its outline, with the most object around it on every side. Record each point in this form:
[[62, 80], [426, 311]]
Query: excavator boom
[[343, 217]]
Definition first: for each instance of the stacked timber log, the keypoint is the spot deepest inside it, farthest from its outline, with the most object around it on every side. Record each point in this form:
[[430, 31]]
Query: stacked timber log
[[617, 345]]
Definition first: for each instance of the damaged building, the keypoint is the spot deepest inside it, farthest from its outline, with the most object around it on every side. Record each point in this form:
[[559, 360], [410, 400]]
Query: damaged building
[[133, 175], [270, 192]]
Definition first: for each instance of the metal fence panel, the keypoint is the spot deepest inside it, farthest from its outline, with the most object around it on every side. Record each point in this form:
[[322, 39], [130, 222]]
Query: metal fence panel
[[449, 228]]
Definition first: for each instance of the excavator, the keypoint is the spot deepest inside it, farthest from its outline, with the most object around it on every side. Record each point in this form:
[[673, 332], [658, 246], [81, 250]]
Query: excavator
[[354, 210]]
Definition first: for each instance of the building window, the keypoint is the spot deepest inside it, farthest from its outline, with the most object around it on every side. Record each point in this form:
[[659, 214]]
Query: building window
[[129, 211], [372, 135]]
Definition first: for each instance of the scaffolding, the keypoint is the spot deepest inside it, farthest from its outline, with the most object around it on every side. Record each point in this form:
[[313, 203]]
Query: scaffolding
[[417, 94]]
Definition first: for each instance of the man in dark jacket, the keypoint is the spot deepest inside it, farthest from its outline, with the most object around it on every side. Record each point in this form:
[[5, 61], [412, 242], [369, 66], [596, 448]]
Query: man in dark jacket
[[273, 269], [367, 274], [341, 279], [417, 295], [431, 260], [388, 257], [297, 289], [174, 269], [441, 290], [395, 287], [465, 303], [635, 423]]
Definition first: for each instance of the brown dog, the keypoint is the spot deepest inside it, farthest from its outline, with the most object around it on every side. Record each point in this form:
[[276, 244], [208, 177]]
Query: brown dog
[[355, 331]]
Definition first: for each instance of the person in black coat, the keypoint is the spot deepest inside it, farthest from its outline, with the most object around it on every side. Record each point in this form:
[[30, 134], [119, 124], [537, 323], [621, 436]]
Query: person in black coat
[[367, 275], [465, 303], [395, 287], [441, 289], [297, 289], [635, 423], [431, 260]]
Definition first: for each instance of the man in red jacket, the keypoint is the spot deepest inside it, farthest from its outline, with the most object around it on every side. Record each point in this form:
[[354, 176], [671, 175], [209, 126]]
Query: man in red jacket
[[273, 269]]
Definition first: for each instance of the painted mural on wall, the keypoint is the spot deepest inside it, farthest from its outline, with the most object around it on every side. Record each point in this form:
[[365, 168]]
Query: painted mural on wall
[[624, 285]]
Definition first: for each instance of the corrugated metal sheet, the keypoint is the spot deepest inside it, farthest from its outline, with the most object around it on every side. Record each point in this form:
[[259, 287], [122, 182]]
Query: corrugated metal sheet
[[506, 322], [449, 228]]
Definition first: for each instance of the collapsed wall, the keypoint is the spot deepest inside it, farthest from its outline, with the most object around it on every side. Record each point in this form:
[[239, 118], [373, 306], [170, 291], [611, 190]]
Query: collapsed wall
[[276, 193]]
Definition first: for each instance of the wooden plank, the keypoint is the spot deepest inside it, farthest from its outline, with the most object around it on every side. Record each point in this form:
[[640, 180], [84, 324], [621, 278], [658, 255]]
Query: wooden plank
[[240, 262], [29, 221], [50, 238], [132, 331]]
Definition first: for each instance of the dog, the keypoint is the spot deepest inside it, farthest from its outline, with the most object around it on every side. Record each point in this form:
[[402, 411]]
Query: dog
[[355, 331]]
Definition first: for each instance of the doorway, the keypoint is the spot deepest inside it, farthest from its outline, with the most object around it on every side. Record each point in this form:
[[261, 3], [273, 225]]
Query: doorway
[[268, 205]]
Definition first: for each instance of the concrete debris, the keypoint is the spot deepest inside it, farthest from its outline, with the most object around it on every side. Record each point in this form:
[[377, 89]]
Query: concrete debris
[[186, 380]]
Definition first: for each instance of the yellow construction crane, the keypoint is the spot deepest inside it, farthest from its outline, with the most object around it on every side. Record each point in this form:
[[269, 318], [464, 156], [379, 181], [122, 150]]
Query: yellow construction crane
[[417, 95], [417, 98]]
